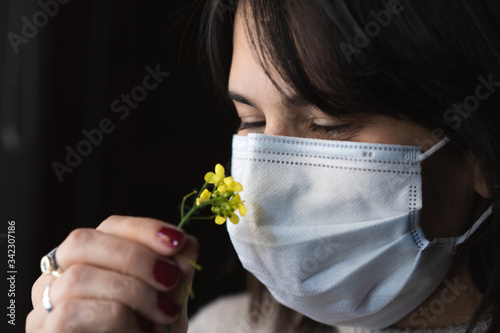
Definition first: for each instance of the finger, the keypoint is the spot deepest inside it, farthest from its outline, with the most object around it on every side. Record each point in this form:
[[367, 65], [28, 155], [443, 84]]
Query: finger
[[39, 287], [161, 237], [188, 253], [182, 292], [185, 260], [91, 247], [94, 316], [89, 282], [35, 319]]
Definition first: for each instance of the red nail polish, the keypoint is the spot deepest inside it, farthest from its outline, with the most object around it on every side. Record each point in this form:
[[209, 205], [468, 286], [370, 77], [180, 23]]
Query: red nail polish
[[168, 307], [170, 237], [145, 324], [166, 273]]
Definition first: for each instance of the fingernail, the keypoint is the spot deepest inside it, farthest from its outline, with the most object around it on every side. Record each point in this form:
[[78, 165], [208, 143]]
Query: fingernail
[[170, 237], [168, 307], [145, 324], [166, 273]]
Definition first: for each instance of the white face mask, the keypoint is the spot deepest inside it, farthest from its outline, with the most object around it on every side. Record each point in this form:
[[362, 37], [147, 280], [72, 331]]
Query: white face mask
[[332, 228]]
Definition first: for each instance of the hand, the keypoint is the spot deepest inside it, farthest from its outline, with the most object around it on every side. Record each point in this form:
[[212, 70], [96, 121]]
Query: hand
[[128, 275]]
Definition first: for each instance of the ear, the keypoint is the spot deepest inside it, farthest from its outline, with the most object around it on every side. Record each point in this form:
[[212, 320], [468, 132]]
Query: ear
[[480, 183]]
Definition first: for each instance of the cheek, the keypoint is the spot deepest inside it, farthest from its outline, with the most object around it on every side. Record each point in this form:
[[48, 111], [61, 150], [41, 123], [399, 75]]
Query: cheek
[[243, 132], [448, 197], [387, 130]]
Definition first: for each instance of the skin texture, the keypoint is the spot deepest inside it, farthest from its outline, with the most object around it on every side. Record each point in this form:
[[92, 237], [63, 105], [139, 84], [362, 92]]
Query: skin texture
[[451, 187], [108, 279]]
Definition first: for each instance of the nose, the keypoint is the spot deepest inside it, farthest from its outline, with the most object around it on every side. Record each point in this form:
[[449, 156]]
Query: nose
[[281, 125]]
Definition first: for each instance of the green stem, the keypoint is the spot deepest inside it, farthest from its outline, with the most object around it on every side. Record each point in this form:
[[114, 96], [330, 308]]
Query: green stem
[[183, 201], [185, 218], [204, 218], [194, 264], [204, 187]]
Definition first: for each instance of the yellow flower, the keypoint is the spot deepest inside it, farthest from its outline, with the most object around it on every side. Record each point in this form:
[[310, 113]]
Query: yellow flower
[[220, 220], [238, 204], [225, 208], [224, 198], [233, 218], [228, 185], [232, 186], [217, 177], [204, 197]]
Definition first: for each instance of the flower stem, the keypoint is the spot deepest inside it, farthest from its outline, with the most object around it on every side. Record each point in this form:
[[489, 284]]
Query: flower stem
[[184, 201], [184, 218], [204, 218], [194, 264], [204, 187]]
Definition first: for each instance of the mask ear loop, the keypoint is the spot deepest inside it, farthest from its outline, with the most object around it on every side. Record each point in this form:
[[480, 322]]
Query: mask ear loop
[[433, 149], [476, 225], [482, 218]]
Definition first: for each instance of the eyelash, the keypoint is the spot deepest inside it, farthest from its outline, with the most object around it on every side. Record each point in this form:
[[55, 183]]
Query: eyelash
[[330, 130], [324, 130], [253, 125]]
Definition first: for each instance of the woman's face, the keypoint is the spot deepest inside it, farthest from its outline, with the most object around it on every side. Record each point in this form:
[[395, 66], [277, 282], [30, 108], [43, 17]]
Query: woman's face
[[448, 186]]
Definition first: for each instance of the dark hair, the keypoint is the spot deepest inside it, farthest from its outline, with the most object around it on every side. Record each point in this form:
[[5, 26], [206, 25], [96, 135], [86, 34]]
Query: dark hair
[[417, 60]]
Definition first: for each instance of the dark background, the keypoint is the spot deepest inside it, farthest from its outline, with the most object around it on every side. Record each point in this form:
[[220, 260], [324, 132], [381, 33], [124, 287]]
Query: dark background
[[63, 82]]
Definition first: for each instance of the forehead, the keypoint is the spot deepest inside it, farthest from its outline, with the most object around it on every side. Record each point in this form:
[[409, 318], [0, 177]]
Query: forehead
[[248, 75]]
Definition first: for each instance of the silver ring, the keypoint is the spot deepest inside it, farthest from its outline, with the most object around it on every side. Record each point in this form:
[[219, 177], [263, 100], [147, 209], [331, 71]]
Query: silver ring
[[48, 264], [46, 299]]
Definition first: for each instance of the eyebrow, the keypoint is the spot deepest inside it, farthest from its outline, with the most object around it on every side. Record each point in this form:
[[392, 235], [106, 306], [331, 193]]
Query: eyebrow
[[287, 101], [241, 99]]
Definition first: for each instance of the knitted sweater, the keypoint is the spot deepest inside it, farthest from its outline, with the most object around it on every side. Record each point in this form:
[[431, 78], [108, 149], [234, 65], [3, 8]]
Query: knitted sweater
[[230, 314]]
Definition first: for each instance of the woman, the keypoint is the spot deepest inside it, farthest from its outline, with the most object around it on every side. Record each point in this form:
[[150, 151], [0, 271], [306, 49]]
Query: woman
[[368, 152]]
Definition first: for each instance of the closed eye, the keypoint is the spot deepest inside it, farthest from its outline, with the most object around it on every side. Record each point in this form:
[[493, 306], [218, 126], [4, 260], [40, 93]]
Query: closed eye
[[252, 125], [331, 130]]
